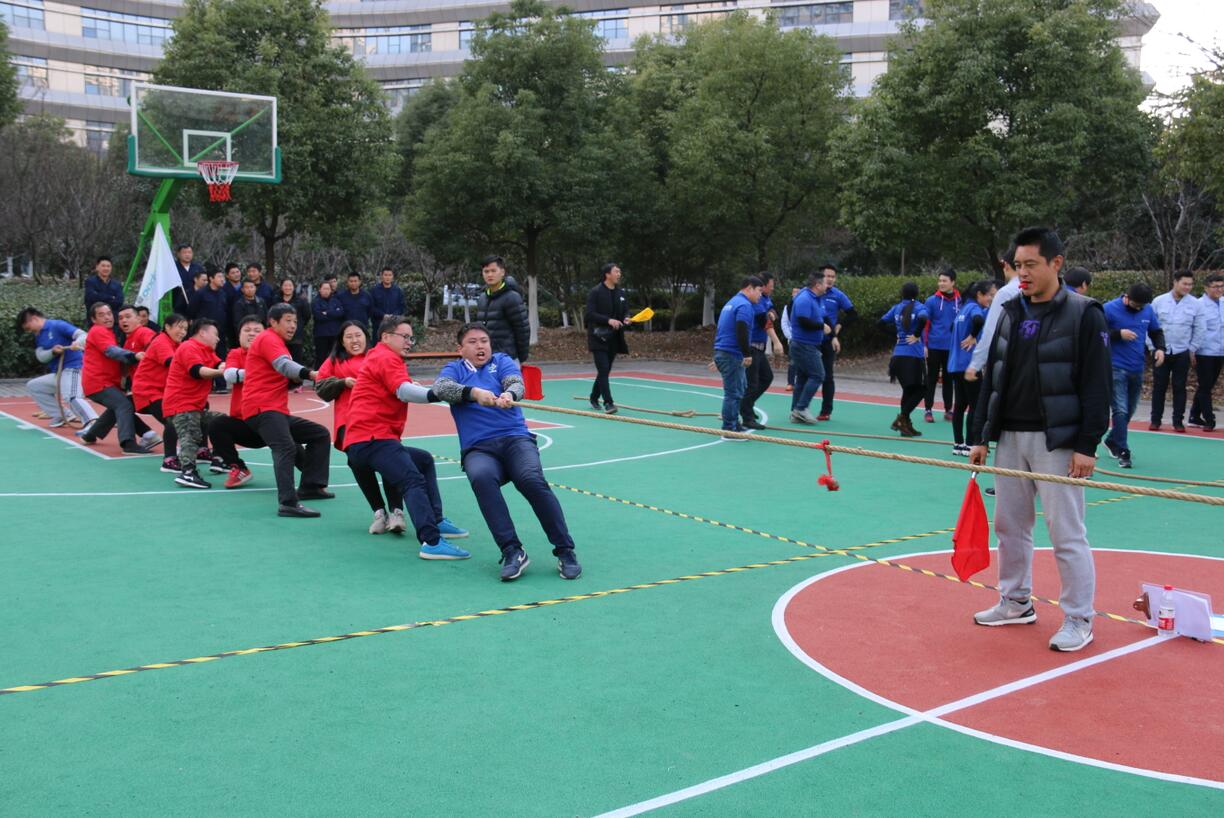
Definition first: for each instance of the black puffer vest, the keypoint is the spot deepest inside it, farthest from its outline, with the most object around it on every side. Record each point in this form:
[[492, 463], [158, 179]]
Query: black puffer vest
[[1058, 356]]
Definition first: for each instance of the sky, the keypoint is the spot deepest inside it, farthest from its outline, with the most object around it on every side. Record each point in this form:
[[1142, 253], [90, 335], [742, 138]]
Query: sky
[[1167, 56]]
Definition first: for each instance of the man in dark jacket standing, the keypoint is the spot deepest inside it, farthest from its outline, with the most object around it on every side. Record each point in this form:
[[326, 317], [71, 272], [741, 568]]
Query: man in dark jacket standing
[[386, 297], [102, 287], [188, 269], [606, 309], [501, 309], [248, 304], [357, 303], [1045, 398]]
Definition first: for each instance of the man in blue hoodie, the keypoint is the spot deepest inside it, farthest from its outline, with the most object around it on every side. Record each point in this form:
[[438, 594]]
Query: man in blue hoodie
[[941, 309], [496, 448], [1131, 322], [733, 350]]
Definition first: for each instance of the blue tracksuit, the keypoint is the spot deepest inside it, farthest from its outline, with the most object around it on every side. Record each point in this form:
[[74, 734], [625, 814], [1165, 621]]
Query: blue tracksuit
[[737, 309], [807, 305], [833, 303], [474, 422], [54, 332], [941, 315], [958, 359], [895, 316]]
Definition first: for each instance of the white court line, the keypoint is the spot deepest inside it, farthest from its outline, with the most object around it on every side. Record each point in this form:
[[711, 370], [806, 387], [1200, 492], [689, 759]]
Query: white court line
[[25, 424], [183, 492]]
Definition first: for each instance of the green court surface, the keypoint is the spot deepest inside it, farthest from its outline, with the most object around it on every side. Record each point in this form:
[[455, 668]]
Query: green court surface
[[625, 687]]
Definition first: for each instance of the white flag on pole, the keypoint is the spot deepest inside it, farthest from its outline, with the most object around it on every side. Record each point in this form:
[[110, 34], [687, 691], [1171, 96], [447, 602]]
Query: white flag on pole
[[160, 275]]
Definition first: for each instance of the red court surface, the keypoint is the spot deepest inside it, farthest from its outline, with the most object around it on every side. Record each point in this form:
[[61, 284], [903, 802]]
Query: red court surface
[[430, 420], [908, 640]]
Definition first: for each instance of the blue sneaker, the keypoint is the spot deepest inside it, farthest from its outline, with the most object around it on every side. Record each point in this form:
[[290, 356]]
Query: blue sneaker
[[568, 565], [451, 531], [513, 561], [442, 550]]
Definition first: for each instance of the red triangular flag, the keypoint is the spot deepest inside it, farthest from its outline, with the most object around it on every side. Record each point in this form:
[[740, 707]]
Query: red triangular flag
[[971, 540]]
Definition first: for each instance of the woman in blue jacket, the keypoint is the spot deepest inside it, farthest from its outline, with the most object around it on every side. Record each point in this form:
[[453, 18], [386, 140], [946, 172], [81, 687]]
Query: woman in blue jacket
[[907, 318], [328, 316], [965, 333]]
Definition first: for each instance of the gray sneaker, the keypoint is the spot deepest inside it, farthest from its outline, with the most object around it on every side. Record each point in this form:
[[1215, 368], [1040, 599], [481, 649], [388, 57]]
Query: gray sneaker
[[802, 416], [1007, 612], [1075, 634]]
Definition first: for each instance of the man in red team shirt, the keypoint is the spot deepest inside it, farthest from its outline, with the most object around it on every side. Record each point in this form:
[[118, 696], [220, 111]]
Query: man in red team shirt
[[149, 383], [377, 411], [101, 377], [188, 386], [227, 432], [265, 408]]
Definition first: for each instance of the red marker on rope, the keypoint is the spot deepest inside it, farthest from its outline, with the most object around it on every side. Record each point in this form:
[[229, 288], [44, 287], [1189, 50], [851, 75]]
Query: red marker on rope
[[828, 480]]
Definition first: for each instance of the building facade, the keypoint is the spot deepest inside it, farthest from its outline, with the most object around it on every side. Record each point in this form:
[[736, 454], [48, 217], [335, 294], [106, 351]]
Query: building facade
[[78, 60]]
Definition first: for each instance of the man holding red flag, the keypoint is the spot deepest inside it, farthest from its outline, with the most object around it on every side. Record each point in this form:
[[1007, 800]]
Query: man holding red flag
[[1045, 398]]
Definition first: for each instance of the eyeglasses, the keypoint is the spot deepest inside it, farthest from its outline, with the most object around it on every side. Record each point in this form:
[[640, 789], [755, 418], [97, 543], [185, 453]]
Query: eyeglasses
[[408, 339]]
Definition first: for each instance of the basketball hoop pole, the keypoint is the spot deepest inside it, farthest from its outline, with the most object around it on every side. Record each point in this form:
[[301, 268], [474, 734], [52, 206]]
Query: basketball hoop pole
[[159, 213]]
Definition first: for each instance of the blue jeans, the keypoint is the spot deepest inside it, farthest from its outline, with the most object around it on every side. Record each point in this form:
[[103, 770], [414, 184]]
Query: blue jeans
[[809, 373], [399, 468], [1126, 388], [735, 384], [489, 465]]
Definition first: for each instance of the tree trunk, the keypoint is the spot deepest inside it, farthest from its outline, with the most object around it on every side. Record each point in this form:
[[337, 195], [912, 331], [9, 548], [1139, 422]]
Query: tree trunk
[[707, 305], [425, 318], [677, 298], [533, 284], [450, 303], [564, 318]]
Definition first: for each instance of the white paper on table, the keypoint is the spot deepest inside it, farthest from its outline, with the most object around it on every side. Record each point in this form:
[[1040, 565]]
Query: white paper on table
[[1191, 611]]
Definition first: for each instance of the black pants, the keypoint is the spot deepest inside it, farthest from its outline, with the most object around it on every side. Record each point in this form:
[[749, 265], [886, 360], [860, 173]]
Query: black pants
[[908, 372], [169, 436], [1176, 367], [282, 433], [400, 466], [966, 399], [760, 377], [1208, 372], [119, 411], [227, 433], [602, 389], [827, 357], [936, 364], [323, 348]]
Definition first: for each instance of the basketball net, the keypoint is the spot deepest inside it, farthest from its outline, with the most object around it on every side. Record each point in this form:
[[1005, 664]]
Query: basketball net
[[218, 175]]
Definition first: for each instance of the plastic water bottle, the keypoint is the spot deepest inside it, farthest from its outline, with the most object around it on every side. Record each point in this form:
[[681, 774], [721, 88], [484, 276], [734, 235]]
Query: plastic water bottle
[[1166, 624]]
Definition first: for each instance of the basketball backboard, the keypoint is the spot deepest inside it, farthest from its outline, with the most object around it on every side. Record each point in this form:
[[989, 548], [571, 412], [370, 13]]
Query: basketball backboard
[[174, 128]]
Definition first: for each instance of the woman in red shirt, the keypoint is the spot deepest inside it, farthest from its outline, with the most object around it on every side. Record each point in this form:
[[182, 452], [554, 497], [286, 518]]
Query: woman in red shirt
[[337, 377], [149, 383]]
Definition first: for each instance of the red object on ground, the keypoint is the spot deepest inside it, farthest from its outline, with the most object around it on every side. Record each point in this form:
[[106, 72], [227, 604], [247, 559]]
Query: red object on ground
[[533, 383], [971, 539]]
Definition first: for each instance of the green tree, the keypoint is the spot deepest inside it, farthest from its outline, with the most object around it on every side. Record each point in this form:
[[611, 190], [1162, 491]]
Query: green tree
[[1196, 140], [10, 103], [995, 114], [335, 133], [528, 149]]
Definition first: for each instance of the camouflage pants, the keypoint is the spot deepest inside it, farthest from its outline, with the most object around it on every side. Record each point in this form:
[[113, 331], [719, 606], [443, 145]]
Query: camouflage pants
[[190, 427]]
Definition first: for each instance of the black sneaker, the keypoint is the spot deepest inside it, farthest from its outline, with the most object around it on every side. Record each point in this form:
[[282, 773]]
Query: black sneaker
[[990, 492], [1115, 451], [595, 407], [1193, 421], [217, 466], [567, 565], [315, 494], [191, 479], [513, 562], [610, 409], [297, 510], [754, 424], [130, 447], [1124, 459]]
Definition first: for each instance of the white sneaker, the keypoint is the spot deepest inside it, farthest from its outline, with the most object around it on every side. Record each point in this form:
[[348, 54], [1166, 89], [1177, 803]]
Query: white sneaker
[[379, 525], [1007, 612], [150, 438], [395, 522], [1075, 634]]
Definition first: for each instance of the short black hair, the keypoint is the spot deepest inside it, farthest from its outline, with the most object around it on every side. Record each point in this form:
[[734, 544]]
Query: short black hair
[[249, 319], [1077, 277], [354, 274], [1009, 255], [487, 260], [25, 315], [199, 324], [1180, 274], [290, 280], [123, 307], [233, 265], [172, 319], [765, 278], [816, 277], [199, 273], [470, 327], [607, 268], [93, 308], [143, 310], [1044, 238], [255, 265], [387, 269], [184, 246], [215, 272], [1214, 278], [751, 281], [828, 265], [279, 311], [1139, 293], [245, 282], [949, 272], [978, 288], [101, 259], [390, 322], [339, 353]]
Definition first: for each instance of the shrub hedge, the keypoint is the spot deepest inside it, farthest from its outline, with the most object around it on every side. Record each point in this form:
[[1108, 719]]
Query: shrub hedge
[[58, 300]]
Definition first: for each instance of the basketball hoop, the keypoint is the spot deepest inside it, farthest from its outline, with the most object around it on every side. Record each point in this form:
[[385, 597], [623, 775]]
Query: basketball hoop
[[218, 175]]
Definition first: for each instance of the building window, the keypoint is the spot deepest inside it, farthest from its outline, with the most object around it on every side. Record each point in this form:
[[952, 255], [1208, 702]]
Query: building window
[[368, 42], [673, 20], [97, 135], [98, 24], [902, 9], [821, 14], [23, 14], [466, 31], [110, 82], [399, 91], [610, 24], [31, 72]]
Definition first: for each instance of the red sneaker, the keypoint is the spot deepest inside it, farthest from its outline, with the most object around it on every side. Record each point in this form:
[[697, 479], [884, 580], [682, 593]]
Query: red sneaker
[[1153, 427], [823, 417], [238, 477]]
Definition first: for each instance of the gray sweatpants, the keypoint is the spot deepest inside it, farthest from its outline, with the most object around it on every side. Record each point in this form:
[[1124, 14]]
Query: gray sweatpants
[[1015, 516], [42, 390]]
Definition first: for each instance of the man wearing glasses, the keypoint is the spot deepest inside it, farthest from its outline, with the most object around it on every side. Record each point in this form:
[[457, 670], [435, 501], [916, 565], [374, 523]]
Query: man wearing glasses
[[1210, 352]]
